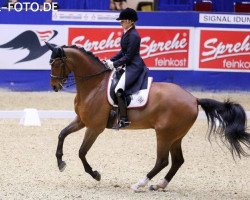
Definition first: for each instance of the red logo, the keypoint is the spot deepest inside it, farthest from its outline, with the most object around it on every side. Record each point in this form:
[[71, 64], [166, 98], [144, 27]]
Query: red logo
[[161, 48], [225, 50]]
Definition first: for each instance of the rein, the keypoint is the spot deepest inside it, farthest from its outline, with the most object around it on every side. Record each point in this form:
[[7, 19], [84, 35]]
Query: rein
[[85, 78], [63, 78]]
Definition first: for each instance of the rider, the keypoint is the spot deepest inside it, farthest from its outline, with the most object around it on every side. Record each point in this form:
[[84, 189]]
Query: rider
[[130, 60]]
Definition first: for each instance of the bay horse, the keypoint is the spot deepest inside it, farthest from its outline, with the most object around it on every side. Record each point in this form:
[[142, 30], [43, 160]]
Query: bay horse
[[170, 111]]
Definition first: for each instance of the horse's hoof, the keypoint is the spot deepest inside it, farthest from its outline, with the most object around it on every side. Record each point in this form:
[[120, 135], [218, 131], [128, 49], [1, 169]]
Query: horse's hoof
[[97, 175], [135, 188], [62, 166], [153, 187]]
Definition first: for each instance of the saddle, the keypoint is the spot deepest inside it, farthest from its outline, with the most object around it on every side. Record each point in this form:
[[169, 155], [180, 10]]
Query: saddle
[[135, 100]]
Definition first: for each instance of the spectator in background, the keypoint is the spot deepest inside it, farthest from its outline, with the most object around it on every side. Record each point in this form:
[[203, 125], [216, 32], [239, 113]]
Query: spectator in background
[[10, 3], [118, 4]]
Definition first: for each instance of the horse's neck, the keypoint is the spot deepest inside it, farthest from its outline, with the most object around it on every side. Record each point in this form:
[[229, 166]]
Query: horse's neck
[[83, 64], [84, 67], [91, 92], [94, 85]]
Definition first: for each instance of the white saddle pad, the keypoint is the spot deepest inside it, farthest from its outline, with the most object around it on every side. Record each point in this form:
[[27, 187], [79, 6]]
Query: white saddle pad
[[138, 99]]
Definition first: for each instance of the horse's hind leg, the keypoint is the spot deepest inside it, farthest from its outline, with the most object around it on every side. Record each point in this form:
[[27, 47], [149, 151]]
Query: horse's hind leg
[[74, 126], [177, 161], [163, 147]]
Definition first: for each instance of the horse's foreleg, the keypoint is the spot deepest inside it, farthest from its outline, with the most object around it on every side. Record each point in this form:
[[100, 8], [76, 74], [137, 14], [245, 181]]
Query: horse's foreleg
[[163, 147], [89, 139], [74, 126], [177, 161]]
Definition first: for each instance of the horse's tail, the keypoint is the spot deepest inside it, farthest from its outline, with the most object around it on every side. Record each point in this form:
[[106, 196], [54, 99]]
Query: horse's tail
[[232, 124]]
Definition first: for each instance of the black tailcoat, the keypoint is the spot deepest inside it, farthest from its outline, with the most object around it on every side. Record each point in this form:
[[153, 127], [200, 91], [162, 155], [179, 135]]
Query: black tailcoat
[[129, 55]]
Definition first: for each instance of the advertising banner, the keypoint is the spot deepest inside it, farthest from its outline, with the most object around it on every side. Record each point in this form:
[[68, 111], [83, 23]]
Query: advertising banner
[[206, 51], [23, 47], [84, 16], [160, 48], [226, 50], [224, 19]]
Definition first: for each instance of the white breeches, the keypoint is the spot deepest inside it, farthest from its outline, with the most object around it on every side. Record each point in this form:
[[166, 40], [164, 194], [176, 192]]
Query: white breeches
[[121, 83]]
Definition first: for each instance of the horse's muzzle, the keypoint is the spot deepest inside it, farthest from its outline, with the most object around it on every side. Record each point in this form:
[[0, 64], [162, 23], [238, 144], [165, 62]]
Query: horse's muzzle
[[55, 88]]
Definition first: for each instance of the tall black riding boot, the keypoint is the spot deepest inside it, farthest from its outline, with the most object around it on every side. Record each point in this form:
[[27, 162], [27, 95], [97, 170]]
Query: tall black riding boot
[[122, 104]]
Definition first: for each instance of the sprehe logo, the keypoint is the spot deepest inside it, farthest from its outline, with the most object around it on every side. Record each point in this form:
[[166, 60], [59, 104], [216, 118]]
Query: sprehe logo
[[163, 48]]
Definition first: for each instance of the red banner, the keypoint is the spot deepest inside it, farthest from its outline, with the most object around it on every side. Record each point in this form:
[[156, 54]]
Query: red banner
[[228, 50], [161, 48]]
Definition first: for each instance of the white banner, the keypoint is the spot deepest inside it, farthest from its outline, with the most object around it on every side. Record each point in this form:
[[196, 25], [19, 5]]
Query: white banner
[[224, 19], [84, 16], [23, 46]]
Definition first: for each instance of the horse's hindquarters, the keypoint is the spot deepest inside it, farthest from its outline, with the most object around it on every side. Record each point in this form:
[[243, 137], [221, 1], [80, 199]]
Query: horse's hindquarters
[[169, 108]]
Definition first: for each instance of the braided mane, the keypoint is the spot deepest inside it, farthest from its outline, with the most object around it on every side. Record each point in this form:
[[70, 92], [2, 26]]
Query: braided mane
[[89, 53]]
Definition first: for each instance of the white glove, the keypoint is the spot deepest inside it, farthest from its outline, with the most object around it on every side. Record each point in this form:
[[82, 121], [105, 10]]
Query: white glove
[[109, 64]]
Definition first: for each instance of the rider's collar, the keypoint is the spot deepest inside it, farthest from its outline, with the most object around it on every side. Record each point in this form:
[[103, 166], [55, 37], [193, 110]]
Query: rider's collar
[[125, 30]]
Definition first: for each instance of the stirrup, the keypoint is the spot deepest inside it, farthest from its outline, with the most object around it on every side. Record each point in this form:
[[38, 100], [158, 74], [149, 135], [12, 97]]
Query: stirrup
[[122, 124]]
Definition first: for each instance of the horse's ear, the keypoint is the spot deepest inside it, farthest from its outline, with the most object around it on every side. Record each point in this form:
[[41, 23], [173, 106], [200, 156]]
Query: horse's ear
[[60, 51], [50, 46]]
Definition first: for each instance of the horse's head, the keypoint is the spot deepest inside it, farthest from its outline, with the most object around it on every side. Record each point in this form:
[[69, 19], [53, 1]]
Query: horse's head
[[59, 69]]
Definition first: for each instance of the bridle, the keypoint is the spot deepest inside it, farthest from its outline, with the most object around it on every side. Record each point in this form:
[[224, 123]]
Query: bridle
[[63, 77], [62, 57]]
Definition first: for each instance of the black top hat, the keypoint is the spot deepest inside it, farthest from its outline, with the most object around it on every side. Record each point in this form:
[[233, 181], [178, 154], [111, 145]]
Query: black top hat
[[128, 13]]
